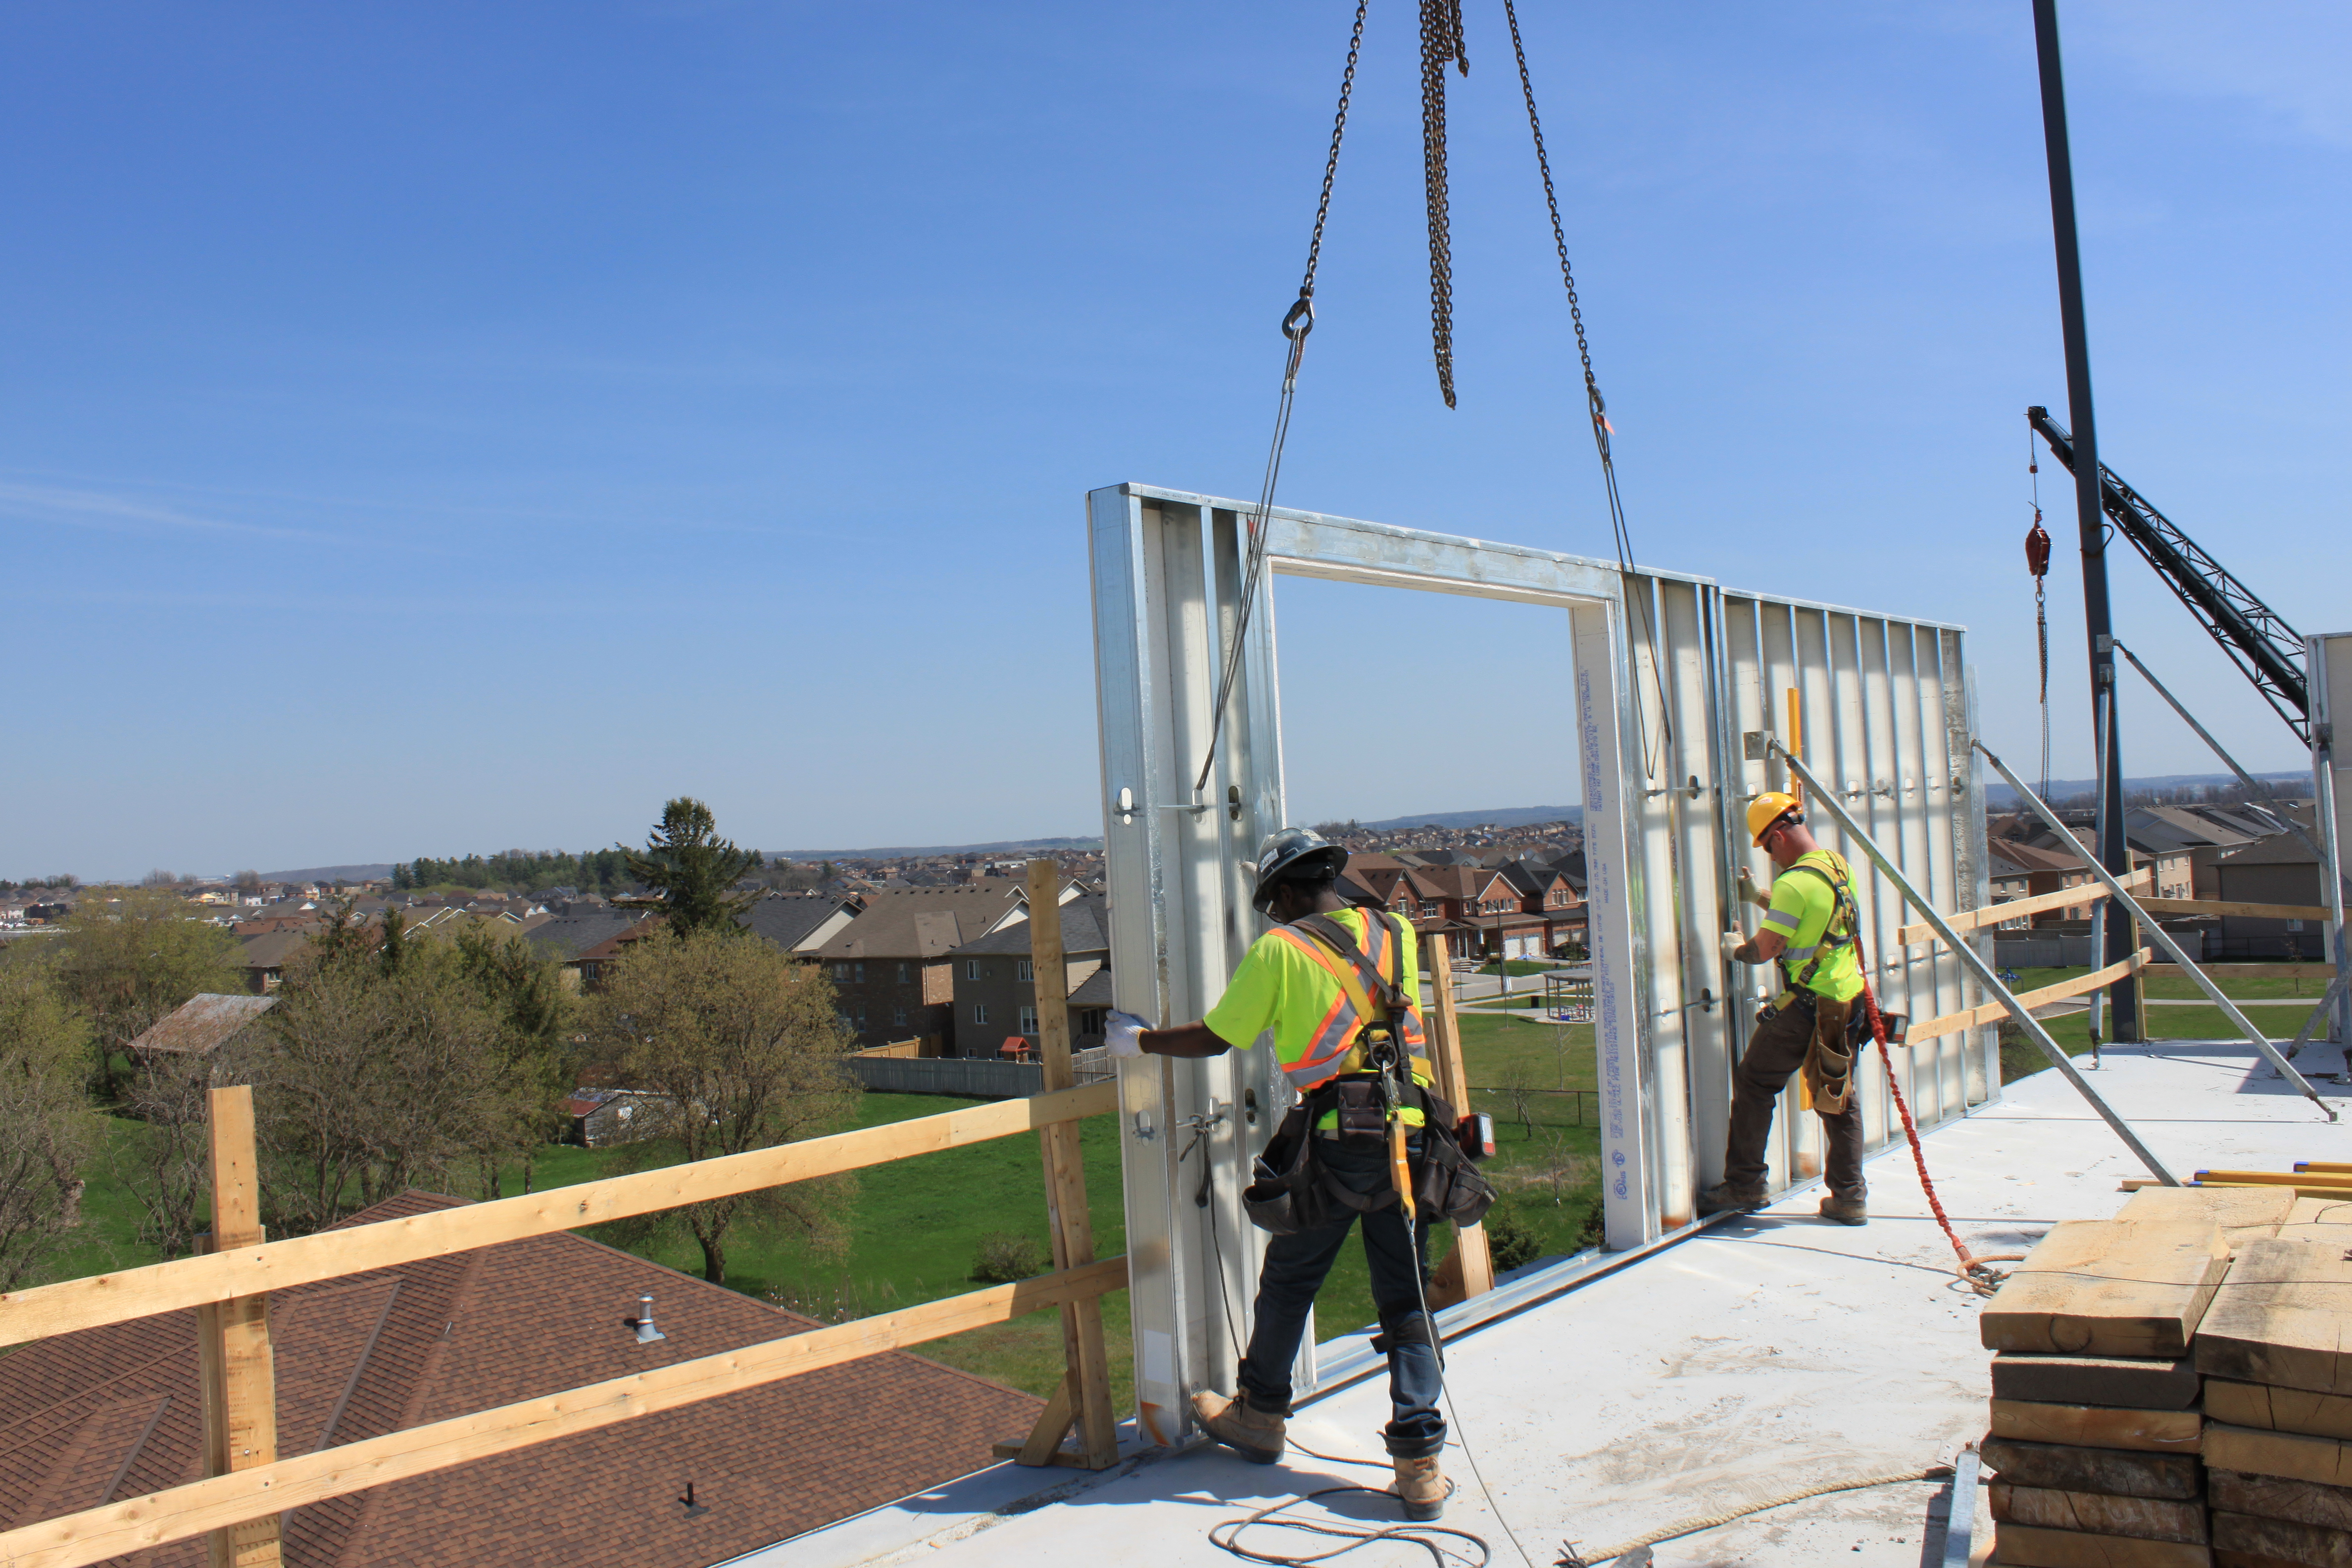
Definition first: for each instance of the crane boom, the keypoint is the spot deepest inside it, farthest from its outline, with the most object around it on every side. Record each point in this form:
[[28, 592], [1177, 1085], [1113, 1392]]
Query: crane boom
[[2266, 650]]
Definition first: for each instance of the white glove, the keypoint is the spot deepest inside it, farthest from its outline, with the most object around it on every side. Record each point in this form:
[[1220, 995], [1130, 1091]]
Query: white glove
[[1731, 941], [1124, 1035]]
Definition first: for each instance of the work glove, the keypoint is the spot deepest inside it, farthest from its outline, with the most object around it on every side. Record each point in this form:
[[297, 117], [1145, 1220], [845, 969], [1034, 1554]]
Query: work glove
[[1733, 940], [1748, 893], [1124, 1035]]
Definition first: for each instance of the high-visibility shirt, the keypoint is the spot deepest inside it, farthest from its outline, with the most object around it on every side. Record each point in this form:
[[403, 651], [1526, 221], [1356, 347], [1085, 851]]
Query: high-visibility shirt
[[1289, 982], [1804, 907]]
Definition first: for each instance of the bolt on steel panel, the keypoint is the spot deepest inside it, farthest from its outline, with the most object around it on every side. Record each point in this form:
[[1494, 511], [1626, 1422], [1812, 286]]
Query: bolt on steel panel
[[1670, 673]]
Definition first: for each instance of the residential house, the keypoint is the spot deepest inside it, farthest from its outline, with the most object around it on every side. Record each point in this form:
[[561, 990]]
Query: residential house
[[599, 1118], [112, 1413], [800, 922], [2042, 870], [585, 940], [889, 964], [995, 989], [265, 957], [2279, 870], [1523, 909]]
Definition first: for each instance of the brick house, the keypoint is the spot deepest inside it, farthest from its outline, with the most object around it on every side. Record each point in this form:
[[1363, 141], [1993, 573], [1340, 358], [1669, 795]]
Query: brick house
[[995, 994], [889, 965], [1521, 909]]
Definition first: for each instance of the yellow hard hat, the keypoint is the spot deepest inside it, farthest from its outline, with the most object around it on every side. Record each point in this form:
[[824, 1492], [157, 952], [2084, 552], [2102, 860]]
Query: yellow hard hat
[[1769, 808]]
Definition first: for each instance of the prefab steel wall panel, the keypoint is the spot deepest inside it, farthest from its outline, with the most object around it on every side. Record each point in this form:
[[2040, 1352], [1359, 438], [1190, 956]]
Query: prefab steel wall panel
[[1670, 672]]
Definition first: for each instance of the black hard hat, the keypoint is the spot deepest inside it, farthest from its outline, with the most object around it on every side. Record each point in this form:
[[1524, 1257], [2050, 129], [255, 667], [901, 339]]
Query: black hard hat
[[1287, 851]]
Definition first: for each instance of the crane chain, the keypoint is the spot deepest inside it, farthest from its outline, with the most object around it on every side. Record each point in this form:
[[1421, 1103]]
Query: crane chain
[[1441, 45]]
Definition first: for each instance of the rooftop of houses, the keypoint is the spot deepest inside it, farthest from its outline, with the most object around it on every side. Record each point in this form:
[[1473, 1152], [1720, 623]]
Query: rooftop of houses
[[202, 1024], [114, 1412], [1085, 929], [571, 934], [923, 922], [789, 920]]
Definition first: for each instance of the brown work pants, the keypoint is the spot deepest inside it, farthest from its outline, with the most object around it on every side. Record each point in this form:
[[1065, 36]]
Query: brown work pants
[[1775, 1052]]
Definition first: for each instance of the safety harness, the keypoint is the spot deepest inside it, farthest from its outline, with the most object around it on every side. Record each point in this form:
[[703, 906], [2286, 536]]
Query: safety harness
[[1828, 1076], [1374, 1015]]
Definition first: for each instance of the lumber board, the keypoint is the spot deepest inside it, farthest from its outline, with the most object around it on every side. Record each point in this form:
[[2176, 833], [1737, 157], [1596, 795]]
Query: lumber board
[[2226, 907], [2281, 1317], [2098, 1427], [115, 1530], [2243, 1215], [1468, 1268], [2283, 1540], [2273, 1497], [2290, 1179], [2114, 1472], [2140, 1518], [45, 1309], [2109, 1288], [2279, 1409], [1993, 1012], [2319, 1219], [2038, 1548], [235, 1362], [1086, 1354], [2343, 1165], [2139, 1383], [2321, 972], [2255, 1452], [1995, 914]]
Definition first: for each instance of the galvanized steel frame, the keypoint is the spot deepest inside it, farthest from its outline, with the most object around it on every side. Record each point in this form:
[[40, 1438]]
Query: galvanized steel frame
[[1887, 709]]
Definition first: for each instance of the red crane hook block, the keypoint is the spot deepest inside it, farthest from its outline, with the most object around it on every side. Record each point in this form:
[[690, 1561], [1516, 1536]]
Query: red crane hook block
[[2037, 548]]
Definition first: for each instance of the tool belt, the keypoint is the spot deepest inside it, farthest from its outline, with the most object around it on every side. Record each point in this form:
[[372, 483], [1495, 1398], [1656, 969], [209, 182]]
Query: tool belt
[[1291, 1189]]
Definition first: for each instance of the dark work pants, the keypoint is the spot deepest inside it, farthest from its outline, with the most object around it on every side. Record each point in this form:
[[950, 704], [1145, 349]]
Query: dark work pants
[[1295, 1269], [1775, 1052]]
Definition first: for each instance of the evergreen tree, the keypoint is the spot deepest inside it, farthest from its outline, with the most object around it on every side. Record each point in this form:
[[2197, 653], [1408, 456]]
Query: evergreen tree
[[693, 869]]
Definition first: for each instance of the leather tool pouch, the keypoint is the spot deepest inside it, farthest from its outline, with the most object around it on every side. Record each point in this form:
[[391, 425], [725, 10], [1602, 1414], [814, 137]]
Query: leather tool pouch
[[1360, 1109], [1829, 1059], [1285, 1193]]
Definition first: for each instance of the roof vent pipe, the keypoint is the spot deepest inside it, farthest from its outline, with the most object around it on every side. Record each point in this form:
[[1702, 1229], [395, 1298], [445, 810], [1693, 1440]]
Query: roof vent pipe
[[646, 1332]]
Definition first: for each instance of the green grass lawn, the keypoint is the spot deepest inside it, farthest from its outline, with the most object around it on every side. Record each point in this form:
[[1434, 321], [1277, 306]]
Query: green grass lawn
[[1518, 966], [2020, 1057]]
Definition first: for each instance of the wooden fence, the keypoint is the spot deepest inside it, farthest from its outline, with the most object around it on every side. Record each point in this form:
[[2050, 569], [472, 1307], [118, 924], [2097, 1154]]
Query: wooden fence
[[249, 1486]]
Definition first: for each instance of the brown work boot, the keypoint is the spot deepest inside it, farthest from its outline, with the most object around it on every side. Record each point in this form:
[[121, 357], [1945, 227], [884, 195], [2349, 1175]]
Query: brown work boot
[[1422, 1487], [1846, 1211], [1252, 1433], [1724, 1197]]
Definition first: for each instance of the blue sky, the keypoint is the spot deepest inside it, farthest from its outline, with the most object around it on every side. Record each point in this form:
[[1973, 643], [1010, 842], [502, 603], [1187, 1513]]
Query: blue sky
[[430, 427]]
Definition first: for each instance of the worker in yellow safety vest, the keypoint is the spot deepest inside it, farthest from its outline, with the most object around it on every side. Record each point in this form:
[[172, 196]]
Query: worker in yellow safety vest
[[1809, 930], [1338, 987]]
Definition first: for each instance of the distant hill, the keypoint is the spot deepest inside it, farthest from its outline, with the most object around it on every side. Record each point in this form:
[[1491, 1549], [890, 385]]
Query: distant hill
[[369, 873], [1999, 795], [904, 851], [1500, 816]]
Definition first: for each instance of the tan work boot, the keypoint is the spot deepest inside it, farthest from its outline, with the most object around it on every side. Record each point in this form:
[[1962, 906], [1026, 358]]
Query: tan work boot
[[1248, 1431], [1846, 1211], [1723, 1197], [1422, 1487]]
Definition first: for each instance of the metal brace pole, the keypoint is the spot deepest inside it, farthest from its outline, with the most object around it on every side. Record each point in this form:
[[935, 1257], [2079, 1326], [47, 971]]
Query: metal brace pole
[[2163, 938], [1819, 793], [2318, 856]]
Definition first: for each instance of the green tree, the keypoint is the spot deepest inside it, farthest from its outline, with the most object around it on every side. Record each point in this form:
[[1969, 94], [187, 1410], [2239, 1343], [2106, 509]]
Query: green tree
[[130, 961], [524, 991], [48, 1129], [693, 869], [739, 1046]]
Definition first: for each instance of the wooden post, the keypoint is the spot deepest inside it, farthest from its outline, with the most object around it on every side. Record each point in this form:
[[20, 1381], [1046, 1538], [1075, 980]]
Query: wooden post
[[240, 1389], [1468, 1270], [1085, 1393]]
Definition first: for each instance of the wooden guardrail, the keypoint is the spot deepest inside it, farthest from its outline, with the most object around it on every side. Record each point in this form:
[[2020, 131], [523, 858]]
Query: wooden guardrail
[[1995, 914], [2228, 907], [248, 1487], [1993, 1012]]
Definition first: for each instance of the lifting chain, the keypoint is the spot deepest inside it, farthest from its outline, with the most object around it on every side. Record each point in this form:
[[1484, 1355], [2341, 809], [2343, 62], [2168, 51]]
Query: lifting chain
[[1441, 45]]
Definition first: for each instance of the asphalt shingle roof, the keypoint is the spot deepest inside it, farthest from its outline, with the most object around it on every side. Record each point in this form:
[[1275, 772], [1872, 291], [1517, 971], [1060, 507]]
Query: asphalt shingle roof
[[110, 1412], [1082, 930]]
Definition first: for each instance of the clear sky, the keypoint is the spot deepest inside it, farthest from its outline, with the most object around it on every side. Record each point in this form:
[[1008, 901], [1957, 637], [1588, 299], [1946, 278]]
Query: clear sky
[[430, 427]]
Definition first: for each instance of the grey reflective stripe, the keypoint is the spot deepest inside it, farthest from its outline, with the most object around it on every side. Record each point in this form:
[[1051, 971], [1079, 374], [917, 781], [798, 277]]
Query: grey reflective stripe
[[1799, 954], [1778, 918], [1308, 1076]]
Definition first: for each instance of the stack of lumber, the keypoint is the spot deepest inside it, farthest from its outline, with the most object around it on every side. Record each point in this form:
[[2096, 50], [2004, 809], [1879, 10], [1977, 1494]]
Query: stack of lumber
[[2097, 1429], [2275, 1351]]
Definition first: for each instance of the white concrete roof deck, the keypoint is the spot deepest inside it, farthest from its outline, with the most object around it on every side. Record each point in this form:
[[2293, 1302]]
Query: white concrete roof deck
[[1744, 1362]]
